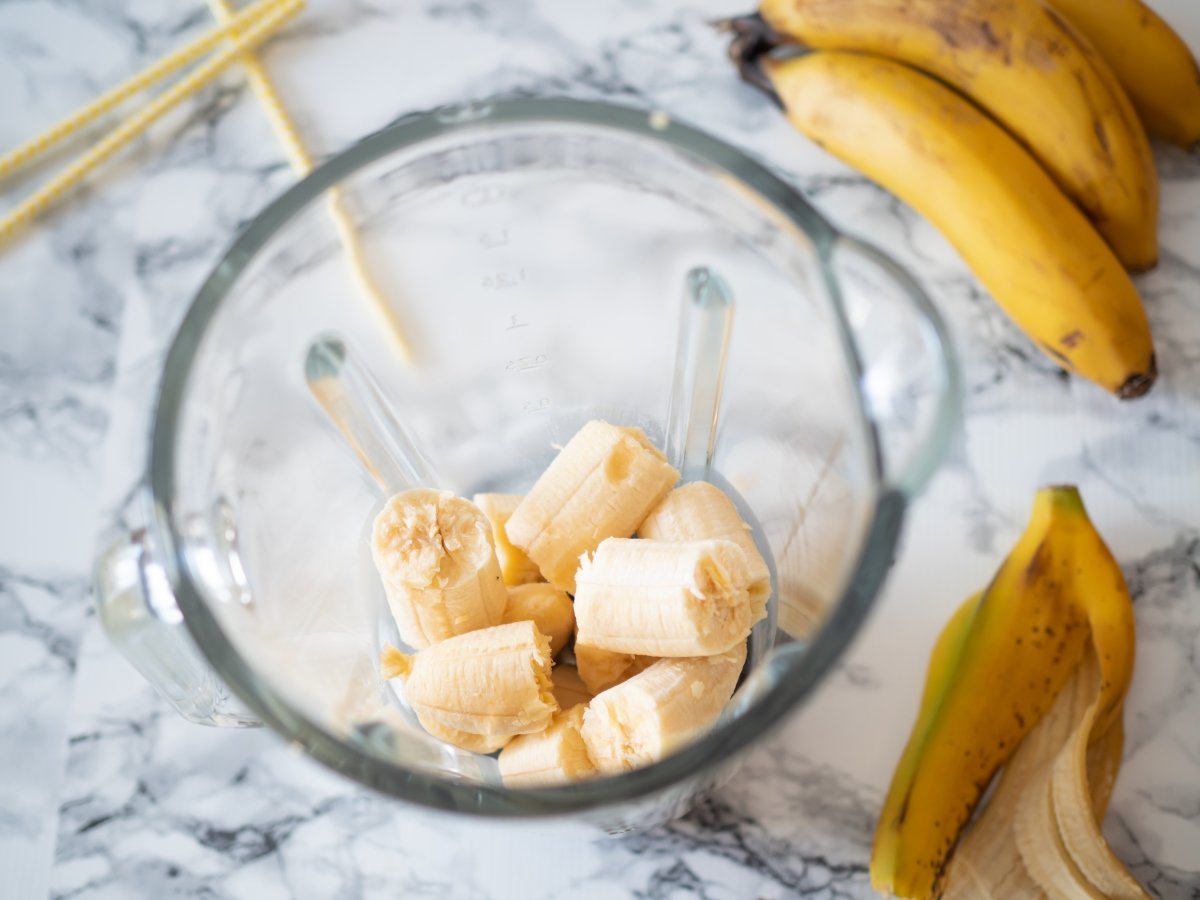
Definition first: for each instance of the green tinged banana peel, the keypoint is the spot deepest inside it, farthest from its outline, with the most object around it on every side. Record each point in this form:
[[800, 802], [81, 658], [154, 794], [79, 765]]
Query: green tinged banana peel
[[1001, 663]]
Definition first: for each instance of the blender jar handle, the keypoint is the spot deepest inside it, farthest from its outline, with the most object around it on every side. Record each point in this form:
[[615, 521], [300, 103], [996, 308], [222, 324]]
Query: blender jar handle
[[140, 616], [908, 376]]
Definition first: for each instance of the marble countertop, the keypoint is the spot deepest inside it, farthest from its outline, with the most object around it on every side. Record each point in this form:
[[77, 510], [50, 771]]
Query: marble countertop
[[106, 793]]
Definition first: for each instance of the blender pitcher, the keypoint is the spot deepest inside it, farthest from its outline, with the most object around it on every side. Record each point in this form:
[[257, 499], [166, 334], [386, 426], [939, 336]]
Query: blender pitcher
[[550, 261]]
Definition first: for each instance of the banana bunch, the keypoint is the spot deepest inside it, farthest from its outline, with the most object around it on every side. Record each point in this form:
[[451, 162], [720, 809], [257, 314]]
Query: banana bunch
[[1018, 127], [659, 623], [1032, 673]]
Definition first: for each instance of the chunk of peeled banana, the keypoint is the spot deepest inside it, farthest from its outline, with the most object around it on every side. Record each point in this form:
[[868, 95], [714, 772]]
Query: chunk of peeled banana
[[546, 607], [554, 756], [464, 740], [395, 664], [435, 555], [601, 669], [515, 566], [492, 684], [660, 598], [659, 710], [569, 689], [600, 485], [701, 510]]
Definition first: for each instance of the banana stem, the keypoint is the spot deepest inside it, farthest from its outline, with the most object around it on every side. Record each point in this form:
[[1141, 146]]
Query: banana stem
[[753, 39]]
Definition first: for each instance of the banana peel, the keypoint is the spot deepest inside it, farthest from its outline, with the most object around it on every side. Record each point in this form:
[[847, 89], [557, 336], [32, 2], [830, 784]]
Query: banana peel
[[1037, 665]]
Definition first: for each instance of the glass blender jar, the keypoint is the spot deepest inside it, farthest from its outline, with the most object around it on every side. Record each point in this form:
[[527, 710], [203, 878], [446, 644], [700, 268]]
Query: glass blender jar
[[550, 261]]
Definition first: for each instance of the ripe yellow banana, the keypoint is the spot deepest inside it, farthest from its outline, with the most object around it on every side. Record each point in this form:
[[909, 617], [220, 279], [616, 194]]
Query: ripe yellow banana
[[1026, 67], [996, 669], [701, 510], [664, 598], [601, 669], [600, 485], [515, 566], [1150, 60], [547, 607], [569, 688], [1028, 245], [554, 756], [435, 555], [489, 685], [659, 710]]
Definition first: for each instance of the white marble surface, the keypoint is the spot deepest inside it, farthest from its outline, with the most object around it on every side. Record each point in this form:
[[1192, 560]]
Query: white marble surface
[[104, 793]]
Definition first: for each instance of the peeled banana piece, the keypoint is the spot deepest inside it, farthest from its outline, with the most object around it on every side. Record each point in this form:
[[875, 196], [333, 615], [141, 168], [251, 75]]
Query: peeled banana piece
[[1027, 68], [655, 712], [600, 485], [701, 510], [435, 556], [660, 598], [554, 756], [1026, 242], [395, 664], [1151, 61], [464, 740], [515, 566], [569, 689], [491, 684], [601, 669], [547, 607]]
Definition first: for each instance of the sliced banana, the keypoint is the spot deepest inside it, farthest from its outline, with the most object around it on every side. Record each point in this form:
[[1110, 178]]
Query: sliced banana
[[601, 485], [435, 555], [550, 609], [554, 756], [657, 711], [493, 684], [515, 566], [660, 598], [464, 740], [569, 689], [701, 510], [395, 664], [601, 669]]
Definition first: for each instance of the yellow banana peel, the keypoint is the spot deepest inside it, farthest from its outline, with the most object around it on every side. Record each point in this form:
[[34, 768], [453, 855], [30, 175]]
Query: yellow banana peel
[[1037, 666]]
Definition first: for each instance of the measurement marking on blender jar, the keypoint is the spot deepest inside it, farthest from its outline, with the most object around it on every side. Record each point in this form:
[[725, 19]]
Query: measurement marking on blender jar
[[515, 324], [525, 363], [532, 406], [482, 196], [494, 239], [504, 280]]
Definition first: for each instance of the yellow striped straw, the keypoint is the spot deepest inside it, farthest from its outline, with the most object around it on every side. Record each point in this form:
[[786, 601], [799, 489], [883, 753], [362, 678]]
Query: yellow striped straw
[[127, 131], [301, 160], [114, 97]]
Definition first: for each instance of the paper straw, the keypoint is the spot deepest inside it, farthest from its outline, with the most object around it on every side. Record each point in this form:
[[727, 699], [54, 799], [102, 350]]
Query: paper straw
[[114, 97], [127, 131], [301, 160]]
